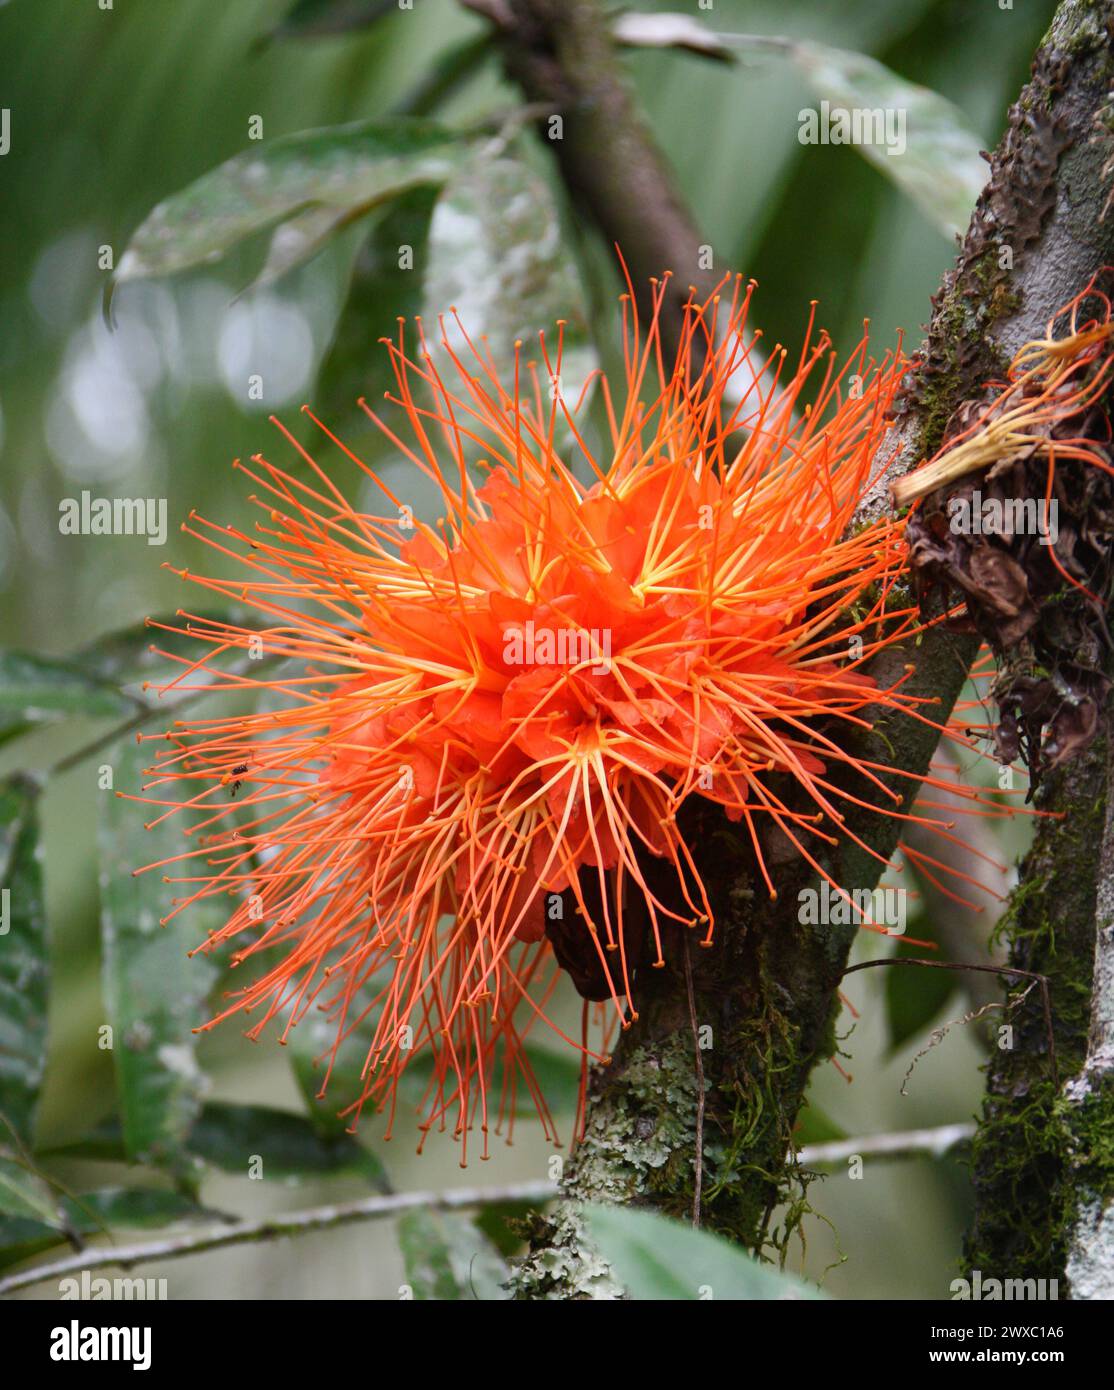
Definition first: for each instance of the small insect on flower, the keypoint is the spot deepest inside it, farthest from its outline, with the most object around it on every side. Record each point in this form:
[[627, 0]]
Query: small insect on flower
[[496, 717]]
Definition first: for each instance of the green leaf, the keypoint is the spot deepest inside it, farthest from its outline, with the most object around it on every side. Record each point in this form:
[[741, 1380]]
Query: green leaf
[[25, 1194], [311, 1049], [380, 292], [311, 1045], [504, 1224], [346, 170], [37, 690], [558, 1076], [154, 994], [21, 1237], [814, 1126], [227, 1136], [497, 257], [282, 1145], [312, 18], [940, 168], [301, 237], [656, 1258], [24, 959], [133, 1208], [489, 244], [449, 71], [141, 1208], [104, 1144], [310, 1041], [448, 1259]]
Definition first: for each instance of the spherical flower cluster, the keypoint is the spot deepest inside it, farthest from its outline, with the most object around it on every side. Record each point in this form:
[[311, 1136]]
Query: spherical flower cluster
[[480, 714]]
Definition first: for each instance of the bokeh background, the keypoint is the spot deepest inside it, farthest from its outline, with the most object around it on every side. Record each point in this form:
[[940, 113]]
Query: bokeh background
[[114, 110]]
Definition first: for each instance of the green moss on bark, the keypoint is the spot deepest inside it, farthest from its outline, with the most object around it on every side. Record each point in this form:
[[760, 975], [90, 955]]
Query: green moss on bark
[[1024, 1172]]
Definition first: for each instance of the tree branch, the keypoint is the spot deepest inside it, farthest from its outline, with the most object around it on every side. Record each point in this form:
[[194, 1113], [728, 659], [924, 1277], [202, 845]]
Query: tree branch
[[296, 1223], [936, 1142], [561, 53]]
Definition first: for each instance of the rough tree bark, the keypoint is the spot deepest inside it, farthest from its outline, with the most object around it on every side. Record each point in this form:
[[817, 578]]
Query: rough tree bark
[[1043, 1150], [768, 987]]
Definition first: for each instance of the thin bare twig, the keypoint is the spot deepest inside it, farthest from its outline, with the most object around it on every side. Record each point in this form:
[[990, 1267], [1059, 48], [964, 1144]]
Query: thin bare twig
[[988, 969], [939, 1033], [276, 1227], [149, 710], [909, 1143]]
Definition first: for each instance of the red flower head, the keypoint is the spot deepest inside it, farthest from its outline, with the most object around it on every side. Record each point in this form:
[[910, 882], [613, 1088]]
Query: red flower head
[[513, 703]]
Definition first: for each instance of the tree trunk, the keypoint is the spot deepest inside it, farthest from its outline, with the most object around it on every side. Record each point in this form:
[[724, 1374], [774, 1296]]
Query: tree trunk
[[1043, 1163]]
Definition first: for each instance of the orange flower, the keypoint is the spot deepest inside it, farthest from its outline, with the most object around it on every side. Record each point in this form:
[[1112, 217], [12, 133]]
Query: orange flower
[[513, 704]]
